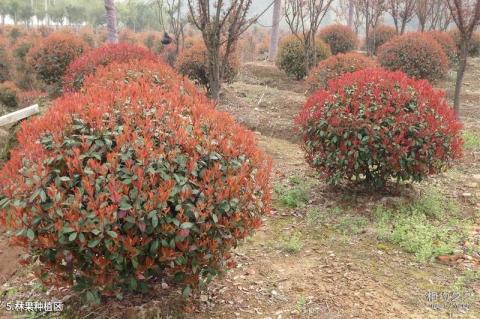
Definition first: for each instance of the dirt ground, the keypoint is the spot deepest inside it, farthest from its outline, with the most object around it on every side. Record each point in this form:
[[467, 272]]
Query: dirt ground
[[291, 269]]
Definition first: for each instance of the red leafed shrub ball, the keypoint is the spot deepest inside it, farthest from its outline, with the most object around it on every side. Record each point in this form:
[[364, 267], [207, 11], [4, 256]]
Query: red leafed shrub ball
[[379, 36], [372, 125], [339, 37], [416, 54], [447, 43], [136, 179], [335, 66], [193, 63], [474, 45], [89, 62], [52, 55]]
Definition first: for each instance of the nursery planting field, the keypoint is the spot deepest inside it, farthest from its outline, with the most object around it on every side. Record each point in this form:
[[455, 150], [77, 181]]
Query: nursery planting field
[[324, 252]]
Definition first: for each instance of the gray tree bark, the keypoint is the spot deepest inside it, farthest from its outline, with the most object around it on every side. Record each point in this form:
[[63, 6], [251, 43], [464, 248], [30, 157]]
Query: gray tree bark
[[462, 66], [350, 13], [272, 54], [111, 21]]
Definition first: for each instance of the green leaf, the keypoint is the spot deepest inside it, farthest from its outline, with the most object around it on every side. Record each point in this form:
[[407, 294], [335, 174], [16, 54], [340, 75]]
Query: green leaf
[[186, 225], [72, 236], [94, 242], [186, 292], [30, 234], [125, 206], [68, 230], [155, 221], [112, 234]]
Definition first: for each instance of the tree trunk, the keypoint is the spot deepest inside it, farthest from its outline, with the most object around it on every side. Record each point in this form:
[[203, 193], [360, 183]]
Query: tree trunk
[[350, 13], [460, 74], [214, 76], [111, 21], [275, 28], [404, 25]]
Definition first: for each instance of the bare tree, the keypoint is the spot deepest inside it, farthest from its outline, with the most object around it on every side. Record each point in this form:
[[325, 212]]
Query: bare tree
[[221, 24], [274, 36], [351, 10], [423, 11], [372, 10], [176, 22], [466, 15], [111, 21], [440, 16], [346, 12], [402, 12], [433, 15], [304, 19]]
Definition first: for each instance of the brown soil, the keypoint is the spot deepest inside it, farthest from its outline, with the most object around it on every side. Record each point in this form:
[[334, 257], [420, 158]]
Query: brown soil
[[9, 257]]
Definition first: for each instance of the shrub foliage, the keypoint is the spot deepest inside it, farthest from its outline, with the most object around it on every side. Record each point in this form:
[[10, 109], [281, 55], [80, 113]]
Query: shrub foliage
[[379, 36], [340, 38], [8, 94], [51, 56], [105, 55], [416, 54], [193, 63], [292, 57], [474, 46], [447, 43], [335, 66], [373, 124], [136, 179], [5, 62]]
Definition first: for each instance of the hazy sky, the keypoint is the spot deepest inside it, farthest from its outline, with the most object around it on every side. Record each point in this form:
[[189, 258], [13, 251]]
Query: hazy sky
[[259, 5]]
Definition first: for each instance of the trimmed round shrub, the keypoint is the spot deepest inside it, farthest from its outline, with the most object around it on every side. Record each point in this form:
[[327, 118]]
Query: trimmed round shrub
[[51, 56], [134, 180], [192, 62], [89, 62], [379, 36], [335, 66], [291, 56], [372, 125], [339, 37], [416, 54], [8, 94], [447, 43], [474, 47], [25, 77], [4, 62]]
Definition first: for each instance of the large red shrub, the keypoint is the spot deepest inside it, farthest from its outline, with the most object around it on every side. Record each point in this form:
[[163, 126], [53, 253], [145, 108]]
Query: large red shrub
[[375, 124], [137, 178], [416, 54], [379, 36], [193, 63], [447, 43], [335, 66], [88, 63], [50, 57], [339, 37], [474, 45]]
